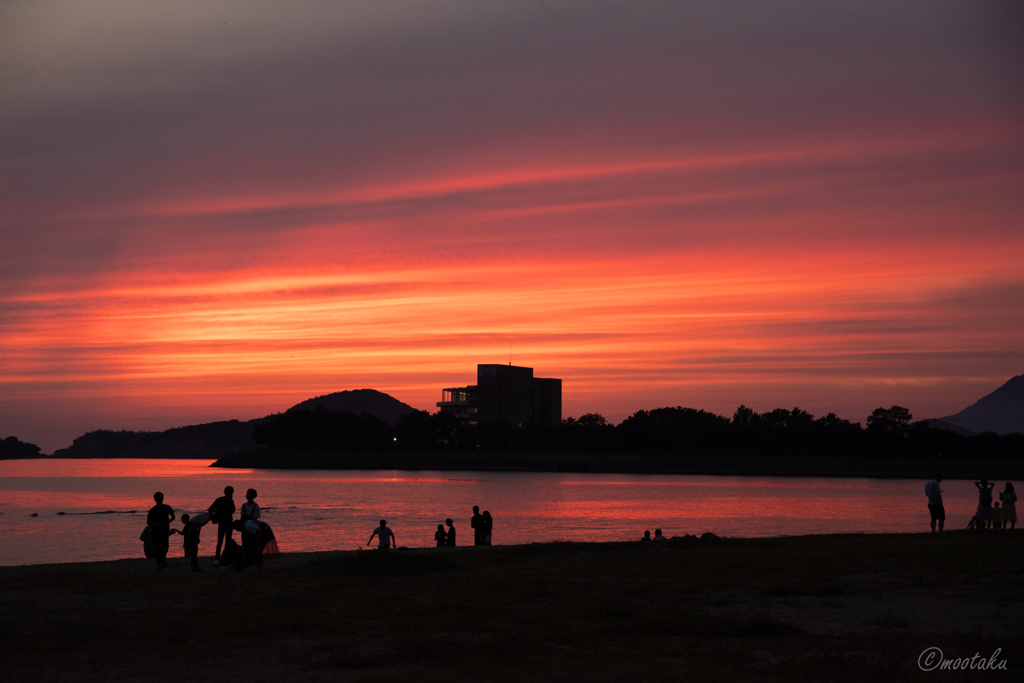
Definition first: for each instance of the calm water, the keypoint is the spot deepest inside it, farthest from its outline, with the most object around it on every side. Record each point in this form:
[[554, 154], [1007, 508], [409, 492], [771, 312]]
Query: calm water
[[332, 509]]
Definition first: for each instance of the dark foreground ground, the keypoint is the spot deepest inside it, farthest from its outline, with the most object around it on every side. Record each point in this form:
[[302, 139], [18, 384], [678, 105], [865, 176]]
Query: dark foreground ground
[[816, 608]]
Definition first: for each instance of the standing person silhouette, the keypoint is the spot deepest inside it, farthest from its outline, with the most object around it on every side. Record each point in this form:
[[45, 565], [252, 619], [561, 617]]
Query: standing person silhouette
[[935, 508], [488, 526], [478, 526], [449, 540], [250, 508], [221, 511], [159, 518], [440, 537], [384, 535], [190, 536], [1009, 498], [984, 503]]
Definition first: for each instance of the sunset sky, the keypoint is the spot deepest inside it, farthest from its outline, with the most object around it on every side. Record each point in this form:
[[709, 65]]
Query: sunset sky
[[214, 210]]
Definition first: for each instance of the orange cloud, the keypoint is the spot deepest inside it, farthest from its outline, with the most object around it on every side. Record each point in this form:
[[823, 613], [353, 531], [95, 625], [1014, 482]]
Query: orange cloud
[[811, 206]]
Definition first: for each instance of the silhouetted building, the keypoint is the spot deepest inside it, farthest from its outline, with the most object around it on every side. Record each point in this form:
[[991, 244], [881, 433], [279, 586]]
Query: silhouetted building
[[506, 393]]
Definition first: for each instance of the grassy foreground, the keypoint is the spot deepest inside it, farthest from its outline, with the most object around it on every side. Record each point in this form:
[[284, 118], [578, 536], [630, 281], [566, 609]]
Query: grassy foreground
[[819, 608]]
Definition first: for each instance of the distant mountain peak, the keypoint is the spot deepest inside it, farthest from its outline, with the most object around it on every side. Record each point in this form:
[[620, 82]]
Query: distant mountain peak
[[387, 408], [1002, 411]]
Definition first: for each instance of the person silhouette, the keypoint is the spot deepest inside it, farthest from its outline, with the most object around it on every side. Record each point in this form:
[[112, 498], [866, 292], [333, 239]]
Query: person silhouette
[[449, 540], [258, 543], [658, 538], [439, 536], [488, 527], [233, 555], [159, 518], [477, 523], [250, 508], [647, 537], [384, 535], [190, 529], [935, 508], [221, 511], [247, 555], [147, 542], [984, 503], [1009, 498]]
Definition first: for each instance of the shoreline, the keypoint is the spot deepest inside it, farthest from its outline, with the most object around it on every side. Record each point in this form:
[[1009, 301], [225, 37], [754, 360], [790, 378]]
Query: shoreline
[[751, 466], [287, 560], [178, 564], [745, 466]]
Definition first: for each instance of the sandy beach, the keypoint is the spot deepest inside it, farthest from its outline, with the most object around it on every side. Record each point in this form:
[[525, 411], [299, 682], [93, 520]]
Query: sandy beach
[[844, 607]]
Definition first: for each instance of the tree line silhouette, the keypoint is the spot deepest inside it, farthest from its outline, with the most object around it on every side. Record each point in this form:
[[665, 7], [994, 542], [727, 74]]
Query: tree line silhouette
[[13, 448], [212, 439], [662, 431]]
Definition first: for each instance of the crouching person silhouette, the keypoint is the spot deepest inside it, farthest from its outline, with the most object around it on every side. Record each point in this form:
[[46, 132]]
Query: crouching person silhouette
[[258, 542]]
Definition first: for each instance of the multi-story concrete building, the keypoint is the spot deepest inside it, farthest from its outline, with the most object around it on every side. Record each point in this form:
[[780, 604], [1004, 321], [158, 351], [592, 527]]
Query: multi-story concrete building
[[506, 393]]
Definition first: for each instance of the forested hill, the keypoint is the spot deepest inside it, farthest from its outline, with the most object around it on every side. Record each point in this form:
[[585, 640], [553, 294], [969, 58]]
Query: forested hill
[[357, 401], [214, 439], [210, 441], [13, 448]]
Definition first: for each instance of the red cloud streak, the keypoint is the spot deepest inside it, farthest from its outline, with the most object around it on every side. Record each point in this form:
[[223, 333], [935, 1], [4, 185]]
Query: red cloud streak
[[662, 204]]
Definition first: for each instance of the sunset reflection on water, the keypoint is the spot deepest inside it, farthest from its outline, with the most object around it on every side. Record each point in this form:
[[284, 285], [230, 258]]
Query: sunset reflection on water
[[105, 502]]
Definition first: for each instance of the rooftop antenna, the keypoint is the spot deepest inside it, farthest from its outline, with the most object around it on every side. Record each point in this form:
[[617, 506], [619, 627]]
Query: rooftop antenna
[[510, 355]]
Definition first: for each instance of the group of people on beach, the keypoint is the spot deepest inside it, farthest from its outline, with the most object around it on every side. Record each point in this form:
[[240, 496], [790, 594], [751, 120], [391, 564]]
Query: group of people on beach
[[481, 523], [989, 514], [258, 541]]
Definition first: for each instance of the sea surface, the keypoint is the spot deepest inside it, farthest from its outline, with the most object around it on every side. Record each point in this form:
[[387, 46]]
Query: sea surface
[[105, 502]]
